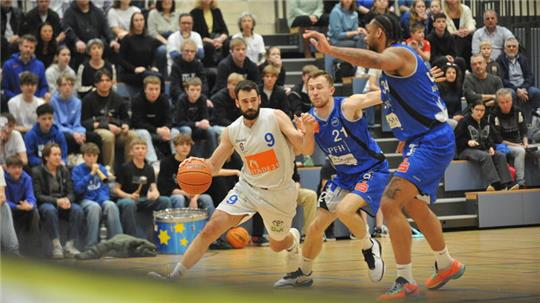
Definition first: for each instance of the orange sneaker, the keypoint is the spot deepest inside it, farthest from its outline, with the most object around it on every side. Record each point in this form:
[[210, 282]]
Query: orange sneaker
[[440, 278], [399, 290]]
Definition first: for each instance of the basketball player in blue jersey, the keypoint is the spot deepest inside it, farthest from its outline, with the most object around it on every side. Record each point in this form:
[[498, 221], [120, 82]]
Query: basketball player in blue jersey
[[336, 125], [417, 115]]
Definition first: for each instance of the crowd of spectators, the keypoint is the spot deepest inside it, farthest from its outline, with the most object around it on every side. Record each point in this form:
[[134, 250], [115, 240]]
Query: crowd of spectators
[[67, 127]]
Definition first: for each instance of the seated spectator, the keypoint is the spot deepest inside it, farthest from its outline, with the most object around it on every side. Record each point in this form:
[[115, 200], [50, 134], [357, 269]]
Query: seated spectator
[[11, 140], [23, 106], [56, 200], [255, 43], [87, 22], [273, 57], [343, 30], [167, 183], [225, 109], [209, 23], [476, 141], [451, 92], [491, 32], [434, 8], [22, 201], [119, 16], [24, 61], [90, 183], [305, 14], [236, 62], [191, 115], [87, 71], [59, 67], [443, 45], [137, 53], [106, 113], [11, 31], [461, 25], [40, 14], [46, 44], [418, 42], [162, 22], [510, 124], [273, 95], [8, 236], [480, 85], [298, 98], [493, 66], [43, 133], [136, 187], [185, 32], [518, 76], [380, 7], [67, 115], [152, 120], [416, 14], [185, 67]]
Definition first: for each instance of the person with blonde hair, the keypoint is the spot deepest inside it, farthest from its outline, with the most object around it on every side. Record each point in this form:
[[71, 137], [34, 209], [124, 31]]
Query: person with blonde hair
[[461, 25], [209, 23]]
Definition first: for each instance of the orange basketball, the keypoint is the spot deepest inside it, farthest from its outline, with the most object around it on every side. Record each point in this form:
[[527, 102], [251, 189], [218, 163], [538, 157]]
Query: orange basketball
[[238, 237], [194, 177]]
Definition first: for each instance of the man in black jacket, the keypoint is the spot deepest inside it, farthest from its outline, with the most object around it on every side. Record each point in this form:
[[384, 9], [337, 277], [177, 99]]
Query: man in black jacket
[[476, 141], [299, 101], [40, 14], [106, 113], [443, 45], [56, 199], [518, 76], [186, 67], [83, 21], [152, 119], [273, 95], [236, 62], [10, 31], [510, 124], [225, 110], [192, 115]]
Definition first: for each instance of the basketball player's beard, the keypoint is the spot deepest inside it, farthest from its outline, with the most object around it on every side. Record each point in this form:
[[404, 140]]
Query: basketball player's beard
[[251, 114]]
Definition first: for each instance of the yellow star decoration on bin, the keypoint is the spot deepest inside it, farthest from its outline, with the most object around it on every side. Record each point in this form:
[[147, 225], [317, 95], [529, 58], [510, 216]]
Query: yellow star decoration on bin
[[179, 228], [163, 237], [184, 242]]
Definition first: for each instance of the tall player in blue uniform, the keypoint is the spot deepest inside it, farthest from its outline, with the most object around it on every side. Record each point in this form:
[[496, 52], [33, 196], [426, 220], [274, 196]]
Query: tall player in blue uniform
[[417, 116], [336, 125]]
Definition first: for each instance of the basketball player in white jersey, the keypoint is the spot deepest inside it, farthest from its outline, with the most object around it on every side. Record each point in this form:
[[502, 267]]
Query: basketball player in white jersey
[[264, 138]]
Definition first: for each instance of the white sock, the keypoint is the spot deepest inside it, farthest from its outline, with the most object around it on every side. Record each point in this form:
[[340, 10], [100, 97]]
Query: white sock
[[443, 258], [366, 242], [306, 266], [179, 270], [405, 271], [56, 243]]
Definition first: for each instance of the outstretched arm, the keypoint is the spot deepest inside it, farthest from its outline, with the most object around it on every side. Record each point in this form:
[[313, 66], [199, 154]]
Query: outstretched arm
[[352, 106], [391, 60]]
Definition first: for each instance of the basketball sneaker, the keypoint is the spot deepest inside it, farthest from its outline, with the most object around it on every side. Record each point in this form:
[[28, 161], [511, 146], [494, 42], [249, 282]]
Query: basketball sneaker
[[399, 290], [294, 279], [441, 277], [374, 261], [293, 255]]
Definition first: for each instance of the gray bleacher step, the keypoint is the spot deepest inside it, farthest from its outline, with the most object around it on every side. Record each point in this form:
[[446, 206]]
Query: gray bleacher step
[[296, 64], [293, 77], [387, 145], [394, 159]]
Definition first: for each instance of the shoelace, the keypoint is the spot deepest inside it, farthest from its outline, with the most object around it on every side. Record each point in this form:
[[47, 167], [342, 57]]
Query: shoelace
[[294, 274], [397, 286], [369, 258]]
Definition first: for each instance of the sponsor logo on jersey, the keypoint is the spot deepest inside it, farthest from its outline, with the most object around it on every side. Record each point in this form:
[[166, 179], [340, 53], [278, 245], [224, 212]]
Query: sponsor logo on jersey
[[262, 162], [404, 166], [362, 187]]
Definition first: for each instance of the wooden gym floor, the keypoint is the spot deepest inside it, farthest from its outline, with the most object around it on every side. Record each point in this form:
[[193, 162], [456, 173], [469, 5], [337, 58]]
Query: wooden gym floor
[[503, 265]]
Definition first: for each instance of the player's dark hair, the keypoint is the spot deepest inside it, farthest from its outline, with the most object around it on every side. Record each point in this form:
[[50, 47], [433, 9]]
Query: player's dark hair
[[247, 86], [391, 27]]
